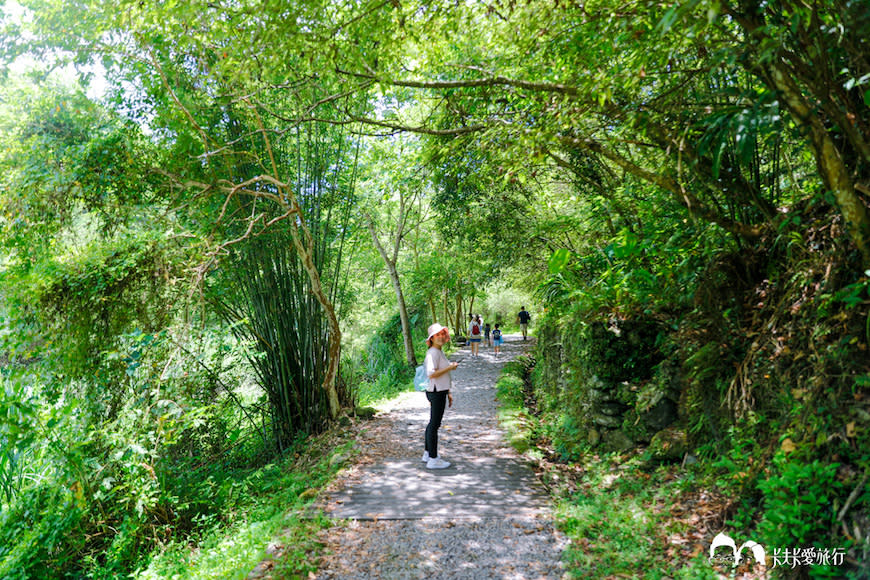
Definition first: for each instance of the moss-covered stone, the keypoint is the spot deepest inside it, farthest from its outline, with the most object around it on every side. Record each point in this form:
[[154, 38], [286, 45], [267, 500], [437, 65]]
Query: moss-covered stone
[[589, 378], [365, 412], [616, 440], [669, 444]]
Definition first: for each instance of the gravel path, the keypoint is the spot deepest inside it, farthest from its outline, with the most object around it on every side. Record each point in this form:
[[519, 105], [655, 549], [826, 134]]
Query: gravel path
[[482, 518]]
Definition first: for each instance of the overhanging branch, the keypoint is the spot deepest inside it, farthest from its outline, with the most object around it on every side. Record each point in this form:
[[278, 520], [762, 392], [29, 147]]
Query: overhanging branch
[[684, 196], [489, 81]]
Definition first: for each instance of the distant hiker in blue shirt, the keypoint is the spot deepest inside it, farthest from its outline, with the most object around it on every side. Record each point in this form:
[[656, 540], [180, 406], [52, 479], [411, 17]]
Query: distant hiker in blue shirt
[[497, 339]]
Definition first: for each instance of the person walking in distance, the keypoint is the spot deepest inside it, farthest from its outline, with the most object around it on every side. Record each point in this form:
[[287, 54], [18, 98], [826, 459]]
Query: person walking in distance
[[497, 340], [523, 318], [475, 334], [438, 370]]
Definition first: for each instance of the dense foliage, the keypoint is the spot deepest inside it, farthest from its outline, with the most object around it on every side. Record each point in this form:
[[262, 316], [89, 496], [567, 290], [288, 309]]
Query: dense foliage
[[249, 229]]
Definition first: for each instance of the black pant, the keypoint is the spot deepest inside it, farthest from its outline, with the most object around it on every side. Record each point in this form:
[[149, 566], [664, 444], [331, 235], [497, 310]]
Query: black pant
[[437, 403]]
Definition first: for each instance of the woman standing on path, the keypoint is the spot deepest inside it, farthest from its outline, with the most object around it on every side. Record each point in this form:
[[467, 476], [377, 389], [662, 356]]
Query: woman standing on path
[[438, 370]]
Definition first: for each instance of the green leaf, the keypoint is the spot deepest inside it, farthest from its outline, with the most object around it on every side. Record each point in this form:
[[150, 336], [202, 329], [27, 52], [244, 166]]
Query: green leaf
[[668, 19], [558, 260], [867, 97]]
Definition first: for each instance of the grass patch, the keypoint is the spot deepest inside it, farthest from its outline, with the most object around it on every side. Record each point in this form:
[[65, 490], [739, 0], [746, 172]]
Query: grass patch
[[621, 523], [268, 511], [384, 387], [513, 416]]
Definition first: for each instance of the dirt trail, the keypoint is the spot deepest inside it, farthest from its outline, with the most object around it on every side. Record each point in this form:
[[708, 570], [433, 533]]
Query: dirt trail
[[484, 517]]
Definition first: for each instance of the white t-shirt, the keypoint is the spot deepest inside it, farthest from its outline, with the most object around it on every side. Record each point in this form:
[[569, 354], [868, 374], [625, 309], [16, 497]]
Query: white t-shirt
[[437, 360]]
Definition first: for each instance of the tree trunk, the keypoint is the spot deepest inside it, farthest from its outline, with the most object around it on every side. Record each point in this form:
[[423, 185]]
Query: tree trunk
[[432, 308], [459, 317], [448, 319], [304, 245], [400, 296], [403, 316], [832, 169], [334, 349]]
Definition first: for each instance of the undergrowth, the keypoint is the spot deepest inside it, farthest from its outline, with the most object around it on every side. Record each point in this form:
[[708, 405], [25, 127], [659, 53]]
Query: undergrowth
[[761, 353], [138, 505], [613, 508], [272, 511], [632, 515]]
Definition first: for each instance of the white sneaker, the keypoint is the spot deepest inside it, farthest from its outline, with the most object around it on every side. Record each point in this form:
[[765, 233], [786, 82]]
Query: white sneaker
[[425, 458], [437, 463]]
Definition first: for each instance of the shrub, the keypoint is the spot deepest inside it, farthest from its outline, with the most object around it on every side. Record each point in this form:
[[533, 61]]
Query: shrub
[[799, 503]]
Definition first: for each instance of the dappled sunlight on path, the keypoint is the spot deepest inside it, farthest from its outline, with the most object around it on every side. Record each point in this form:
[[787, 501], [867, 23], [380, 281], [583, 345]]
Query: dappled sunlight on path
[[486, 516], [486, 479]]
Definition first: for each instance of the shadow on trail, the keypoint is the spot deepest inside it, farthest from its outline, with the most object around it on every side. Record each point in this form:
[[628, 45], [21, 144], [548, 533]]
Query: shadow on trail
[[487, 478]]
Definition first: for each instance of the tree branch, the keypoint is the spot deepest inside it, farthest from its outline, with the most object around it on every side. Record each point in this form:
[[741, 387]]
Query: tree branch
[[490, 81], [685, 197]]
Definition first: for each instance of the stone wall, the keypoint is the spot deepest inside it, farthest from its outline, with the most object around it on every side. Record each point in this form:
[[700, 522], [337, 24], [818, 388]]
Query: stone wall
[[605, 384]]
